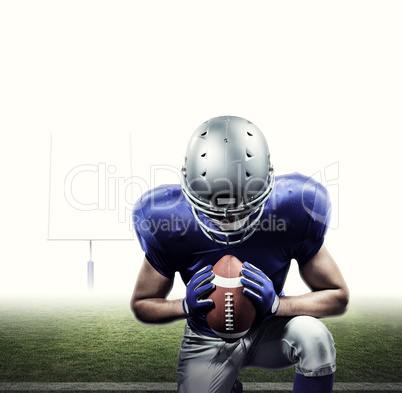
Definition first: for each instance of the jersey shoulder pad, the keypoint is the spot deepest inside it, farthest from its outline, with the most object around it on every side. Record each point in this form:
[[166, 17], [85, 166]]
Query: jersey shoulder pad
[[157, 214], [302, 201], [304, 192]]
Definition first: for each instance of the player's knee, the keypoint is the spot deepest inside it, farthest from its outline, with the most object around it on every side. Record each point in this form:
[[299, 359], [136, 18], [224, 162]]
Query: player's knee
[[315, 338], [314, 343]]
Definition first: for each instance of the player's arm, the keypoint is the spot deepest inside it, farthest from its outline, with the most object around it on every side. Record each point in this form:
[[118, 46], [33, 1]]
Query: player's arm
[[329, 294], [149, 303]]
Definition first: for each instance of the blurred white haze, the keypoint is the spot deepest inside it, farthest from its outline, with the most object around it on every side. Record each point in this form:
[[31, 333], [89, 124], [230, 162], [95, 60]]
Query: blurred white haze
[[109, 93]]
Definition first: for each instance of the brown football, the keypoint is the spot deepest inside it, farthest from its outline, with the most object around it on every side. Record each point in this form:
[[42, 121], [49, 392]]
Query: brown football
[[233, 314]]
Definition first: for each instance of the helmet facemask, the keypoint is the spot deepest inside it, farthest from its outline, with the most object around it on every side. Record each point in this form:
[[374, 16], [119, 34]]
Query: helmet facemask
[[227, 178]]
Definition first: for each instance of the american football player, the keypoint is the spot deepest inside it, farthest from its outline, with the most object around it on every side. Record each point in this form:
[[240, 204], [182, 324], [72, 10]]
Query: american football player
[[230, 202]]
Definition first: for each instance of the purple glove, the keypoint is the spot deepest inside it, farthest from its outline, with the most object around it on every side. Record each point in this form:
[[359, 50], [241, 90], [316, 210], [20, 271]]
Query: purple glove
[[198, 288], [259, 288]]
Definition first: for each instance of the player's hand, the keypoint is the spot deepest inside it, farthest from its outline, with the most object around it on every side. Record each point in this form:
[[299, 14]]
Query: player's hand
[[260, 289], [198, 288]]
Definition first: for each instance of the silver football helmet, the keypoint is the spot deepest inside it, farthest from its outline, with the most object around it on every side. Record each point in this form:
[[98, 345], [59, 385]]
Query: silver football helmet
[[227, 178]]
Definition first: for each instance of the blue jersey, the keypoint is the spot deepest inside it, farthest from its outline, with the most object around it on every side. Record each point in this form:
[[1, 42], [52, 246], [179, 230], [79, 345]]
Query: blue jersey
[[292, 226]]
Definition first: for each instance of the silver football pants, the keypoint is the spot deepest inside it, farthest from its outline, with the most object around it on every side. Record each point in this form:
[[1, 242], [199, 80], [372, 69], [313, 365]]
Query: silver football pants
[[210, 365]]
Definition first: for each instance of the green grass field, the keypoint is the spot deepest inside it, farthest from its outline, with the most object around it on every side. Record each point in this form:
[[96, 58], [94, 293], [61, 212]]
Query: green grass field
[[98, 340]]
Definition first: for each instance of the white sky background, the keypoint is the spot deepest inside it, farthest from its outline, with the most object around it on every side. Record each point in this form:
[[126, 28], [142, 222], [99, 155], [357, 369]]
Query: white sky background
[[322, 80]]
